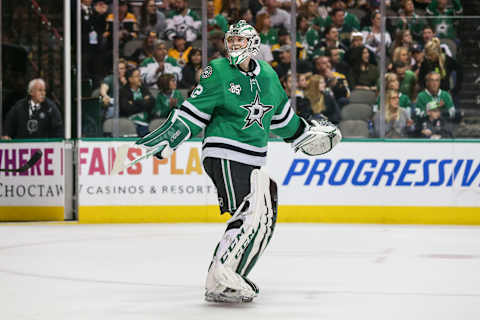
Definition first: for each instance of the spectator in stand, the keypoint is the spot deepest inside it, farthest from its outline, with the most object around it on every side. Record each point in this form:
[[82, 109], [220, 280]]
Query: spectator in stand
[[363, 75], [436, 60], [369, 7], [302, 104], [151, 20], [230, 10], [279, 17], [146, 51], [345, 27], [215, 22], [442, 23], [316, 12], [283, 65], [168, 96], [418, 56], [183, 20], [160, 63], [35, 116], [246, 14], [308, 9], [268, 34], [180, 50], [284, 39], [372, 35], [407, 79], [392, 83], [302, 81], [410, 20], [402, 54], [397, 122], [427, 35], [357, 41], [334, 54], [337, 82], [106, 89], [331, 41], [322, 100], [127, 25], [433, 92], [403, 38], [349, 22], [136, 101], [192, 69], [216, 45], [433, 125], [268, 37], [306, 35], [93, 26]]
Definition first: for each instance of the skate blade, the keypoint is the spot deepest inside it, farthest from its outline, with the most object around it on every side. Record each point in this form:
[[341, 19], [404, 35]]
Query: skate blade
[[222, 298]]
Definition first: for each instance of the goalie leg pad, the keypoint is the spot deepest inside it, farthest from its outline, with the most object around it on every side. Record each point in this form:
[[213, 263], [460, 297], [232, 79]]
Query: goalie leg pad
[[246, 237], [259, 244]]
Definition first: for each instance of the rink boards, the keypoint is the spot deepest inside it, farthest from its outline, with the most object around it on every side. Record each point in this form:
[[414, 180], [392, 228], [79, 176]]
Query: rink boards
[[37, 194], [366, 182]]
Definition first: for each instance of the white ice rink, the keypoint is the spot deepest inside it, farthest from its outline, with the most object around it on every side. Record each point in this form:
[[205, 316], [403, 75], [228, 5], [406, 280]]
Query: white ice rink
[[310, 271]]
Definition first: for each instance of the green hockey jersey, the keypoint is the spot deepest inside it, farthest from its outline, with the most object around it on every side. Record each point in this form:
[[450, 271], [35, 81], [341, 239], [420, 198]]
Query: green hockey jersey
[[238, 110]]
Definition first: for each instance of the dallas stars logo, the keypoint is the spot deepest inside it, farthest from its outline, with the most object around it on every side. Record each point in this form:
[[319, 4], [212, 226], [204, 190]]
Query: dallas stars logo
[[256, 112]]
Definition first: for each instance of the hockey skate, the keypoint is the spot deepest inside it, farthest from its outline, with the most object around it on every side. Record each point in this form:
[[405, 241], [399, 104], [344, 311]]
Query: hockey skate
[[226, 286]]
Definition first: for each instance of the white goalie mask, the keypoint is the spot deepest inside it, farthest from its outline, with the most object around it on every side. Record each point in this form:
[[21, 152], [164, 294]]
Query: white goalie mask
[[242, 29]]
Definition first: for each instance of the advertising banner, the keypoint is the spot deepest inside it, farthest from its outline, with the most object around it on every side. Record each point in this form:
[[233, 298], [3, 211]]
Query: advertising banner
[[381, 174], [38, 193], [361, 175], [179, 180]]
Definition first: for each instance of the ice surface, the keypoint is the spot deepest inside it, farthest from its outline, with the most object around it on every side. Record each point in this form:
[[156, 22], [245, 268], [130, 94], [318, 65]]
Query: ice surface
[[310, 271]]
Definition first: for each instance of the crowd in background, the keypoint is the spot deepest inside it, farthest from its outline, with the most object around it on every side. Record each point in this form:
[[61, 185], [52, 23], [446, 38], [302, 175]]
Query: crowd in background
[[338, 58]]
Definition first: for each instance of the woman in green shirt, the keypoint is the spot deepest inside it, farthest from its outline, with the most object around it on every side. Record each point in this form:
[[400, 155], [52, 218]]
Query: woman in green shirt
[[168, 96]]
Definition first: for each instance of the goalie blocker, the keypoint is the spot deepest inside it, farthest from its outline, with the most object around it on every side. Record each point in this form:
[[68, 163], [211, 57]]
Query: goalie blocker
[[161, 142]]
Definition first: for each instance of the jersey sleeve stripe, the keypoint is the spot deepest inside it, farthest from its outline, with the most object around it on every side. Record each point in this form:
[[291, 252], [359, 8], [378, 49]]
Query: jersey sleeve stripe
[[195, 111], [193, 120], [184, 112], [284, 112], [277, 124]]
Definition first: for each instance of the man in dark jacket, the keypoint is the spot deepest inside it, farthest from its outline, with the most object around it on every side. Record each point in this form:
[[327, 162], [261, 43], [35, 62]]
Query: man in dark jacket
[[136, 101], [34, 116]]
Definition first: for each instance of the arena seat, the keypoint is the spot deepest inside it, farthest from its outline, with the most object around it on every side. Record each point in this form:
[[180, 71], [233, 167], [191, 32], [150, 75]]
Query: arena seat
[[355, 111], [354, 128], [363, 97], [126, 128]]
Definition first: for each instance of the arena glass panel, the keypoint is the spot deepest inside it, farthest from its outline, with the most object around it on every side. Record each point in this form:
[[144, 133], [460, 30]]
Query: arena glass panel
[[433, 61], [32, 48]]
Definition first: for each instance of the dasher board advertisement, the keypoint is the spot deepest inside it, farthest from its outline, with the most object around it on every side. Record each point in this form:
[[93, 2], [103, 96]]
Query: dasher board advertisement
[[37, 193], [353, 174]]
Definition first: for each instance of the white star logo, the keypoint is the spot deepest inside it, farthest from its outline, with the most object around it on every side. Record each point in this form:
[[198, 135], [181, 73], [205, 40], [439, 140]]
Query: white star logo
[[256, 112]]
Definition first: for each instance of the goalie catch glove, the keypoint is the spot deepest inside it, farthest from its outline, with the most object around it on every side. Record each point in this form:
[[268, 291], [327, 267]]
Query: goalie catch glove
[[164, 140], [318, 138]]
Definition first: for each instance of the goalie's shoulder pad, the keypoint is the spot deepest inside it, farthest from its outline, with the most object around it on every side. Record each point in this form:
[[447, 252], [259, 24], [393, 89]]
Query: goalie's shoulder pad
[[318, 138]]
